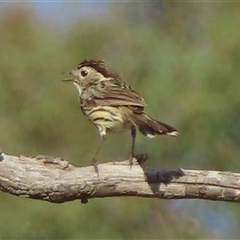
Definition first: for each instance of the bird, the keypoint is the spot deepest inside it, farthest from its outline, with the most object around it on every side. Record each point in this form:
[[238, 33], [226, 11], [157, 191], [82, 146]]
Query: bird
[[112, 105]]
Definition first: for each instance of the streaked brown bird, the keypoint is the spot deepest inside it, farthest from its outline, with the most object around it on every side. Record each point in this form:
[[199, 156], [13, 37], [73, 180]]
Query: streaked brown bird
[[112, 105]]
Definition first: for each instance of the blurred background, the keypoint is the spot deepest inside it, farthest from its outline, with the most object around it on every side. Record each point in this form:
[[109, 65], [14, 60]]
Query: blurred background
[[182, 57]]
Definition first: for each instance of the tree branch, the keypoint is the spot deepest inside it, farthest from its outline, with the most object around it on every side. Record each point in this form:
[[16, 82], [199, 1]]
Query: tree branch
[[55, 180]]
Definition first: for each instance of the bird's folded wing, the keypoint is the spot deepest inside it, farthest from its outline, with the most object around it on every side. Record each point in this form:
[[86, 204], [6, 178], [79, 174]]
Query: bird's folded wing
[[118, 96]]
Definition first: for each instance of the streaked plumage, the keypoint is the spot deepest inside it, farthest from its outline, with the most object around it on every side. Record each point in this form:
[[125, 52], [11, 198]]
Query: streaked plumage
[[111, 104]]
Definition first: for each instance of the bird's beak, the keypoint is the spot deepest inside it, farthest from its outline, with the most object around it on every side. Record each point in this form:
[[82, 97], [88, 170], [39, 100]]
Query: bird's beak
[[68, 79]]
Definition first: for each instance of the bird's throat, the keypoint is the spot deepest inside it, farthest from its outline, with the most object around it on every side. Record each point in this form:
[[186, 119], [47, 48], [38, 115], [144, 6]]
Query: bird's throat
[[78, 88]]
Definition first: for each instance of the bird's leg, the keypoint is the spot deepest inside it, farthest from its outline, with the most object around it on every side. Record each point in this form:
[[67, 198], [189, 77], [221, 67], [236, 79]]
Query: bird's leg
[[141, 158], [133, 135], [94, 160]]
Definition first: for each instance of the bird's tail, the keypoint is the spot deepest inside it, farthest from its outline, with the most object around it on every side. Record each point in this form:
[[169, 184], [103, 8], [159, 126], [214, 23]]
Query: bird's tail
[[151, 127]]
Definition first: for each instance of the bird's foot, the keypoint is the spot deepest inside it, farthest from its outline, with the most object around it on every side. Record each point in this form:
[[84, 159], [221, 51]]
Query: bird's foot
[[95, 165], [141, 159]]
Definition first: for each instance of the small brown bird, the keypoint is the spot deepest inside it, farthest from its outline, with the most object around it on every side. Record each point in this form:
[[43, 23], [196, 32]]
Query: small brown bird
[[112, 105]]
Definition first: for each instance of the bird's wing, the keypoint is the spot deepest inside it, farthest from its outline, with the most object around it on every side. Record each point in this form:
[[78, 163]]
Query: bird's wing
[[118, 96], [113, 93]]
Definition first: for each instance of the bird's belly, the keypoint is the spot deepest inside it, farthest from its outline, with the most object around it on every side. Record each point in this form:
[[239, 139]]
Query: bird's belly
[[109, 118]]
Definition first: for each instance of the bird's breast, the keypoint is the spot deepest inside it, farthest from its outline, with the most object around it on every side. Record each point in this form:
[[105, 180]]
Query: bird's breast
[[111, 118]]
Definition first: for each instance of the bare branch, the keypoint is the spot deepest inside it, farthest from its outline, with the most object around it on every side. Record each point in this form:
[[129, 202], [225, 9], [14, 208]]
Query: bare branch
[[55, 180]]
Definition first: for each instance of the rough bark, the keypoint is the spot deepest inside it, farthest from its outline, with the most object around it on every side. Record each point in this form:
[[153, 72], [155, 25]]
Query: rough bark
[[55, 180]]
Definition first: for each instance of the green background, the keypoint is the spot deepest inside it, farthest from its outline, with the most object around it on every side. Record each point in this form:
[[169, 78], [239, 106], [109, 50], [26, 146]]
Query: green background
[[182, 57]]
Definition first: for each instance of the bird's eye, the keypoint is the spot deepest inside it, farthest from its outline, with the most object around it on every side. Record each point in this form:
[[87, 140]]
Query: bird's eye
[[84, 73]]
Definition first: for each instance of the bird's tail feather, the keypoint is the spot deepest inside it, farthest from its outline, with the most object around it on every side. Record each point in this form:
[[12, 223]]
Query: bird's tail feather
[[151, 127]]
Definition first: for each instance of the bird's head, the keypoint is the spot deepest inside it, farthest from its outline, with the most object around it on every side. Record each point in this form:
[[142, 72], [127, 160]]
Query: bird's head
[[90, 72]]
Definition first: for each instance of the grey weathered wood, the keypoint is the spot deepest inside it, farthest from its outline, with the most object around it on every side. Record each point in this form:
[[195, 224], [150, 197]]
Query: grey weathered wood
[[55, 180]]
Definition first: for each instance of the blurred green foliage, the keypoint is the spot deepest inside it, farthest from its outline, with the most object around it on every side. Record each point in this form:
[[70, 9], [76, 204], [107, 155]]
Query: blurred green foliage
[[183, 58]]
